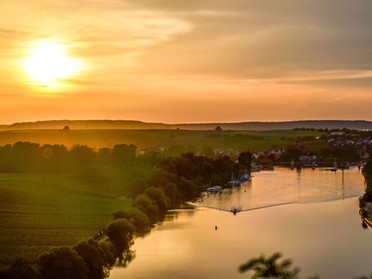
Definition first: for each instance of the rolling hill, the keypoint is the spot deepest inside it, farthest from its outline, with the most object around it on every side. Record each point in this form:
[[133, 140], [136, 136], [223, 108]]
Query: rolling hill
[[139, 125]]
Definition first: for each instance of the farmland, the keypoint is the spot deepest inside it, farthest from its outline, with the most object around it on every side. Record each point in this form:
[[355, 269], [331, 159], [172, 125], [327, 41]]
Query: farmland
[[41, 211]]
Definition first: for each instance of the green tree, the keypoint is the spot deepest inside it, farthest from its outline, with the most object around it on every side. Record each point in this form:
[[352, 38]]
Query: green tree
[[137, 217], [120, 233], [94, 257], [245, 159], [61, 263], [148, 206], [124, 153], [82, 156], [157, 195]]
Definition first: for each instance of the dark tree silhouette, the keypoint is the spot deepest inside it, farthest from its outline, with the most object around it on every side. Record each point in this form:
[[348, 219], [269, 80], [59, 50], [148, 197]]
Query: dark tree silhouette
[[137, 217], [218, 129], [120, 233], [245, 159], [148, 206], [158, 196], [270, 267], [20, 269], [124, 153], [94, 257], [61, 263]]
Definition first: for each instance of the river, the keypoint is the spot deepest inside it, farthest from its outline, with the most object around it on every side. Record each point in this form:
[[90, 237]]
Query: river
[[310, 216]]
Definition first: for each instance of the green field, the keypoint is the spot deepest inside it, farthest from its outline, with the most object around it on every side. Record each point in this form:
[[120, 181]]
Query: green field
[[41, 211], [170, 139]]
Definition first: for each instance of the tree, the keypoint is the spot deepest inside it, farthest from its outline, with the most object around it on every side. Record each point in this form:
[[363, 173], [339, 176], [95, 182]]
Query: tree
[[94, 257], [27, 156], [21, 269], [61, 263], [245, 159], [148, 206], [137, 217], [82, 156], [120, 233], [157, 195], [270, 268], [218, 129], [124, 153], [140, 220]]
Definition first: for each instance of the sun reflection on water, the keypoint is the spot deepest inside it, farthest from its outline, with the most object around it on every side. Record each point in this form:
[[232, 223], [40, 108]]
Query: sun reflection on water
[[304, 186]]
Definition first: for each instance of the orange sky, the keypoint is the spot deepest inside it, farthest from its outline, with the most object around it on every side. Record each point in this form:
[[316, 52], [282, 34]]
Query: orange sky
[[189, 61]]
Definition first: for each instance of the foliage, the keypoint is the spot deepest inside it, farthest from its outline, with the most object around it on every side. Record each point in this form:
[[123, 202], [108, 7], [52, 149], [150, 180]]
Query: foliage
[[137, 217], [270, 267], [245, 159], [120, 233], [175, 141], [148, 206], [95, 258], [61, 263], [158, 196], [367, 171], [123, 153], [20, 269]]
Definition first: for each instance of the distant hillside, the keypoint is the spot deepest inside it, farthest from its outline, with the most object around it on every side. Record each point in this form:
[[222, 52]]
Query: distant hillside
[[85, 125], [289, 125], [139, 125]]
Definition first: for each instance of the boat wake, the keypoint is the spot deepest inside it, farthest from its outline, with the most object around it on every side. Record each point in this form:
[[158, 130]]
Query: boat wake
[[283, 187]]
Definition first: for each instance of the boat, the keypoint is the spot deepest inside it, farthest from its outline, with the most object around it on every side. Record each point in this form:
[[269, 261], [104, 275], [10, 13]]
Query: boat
[[255, 168], [235, 210], [214, 189]]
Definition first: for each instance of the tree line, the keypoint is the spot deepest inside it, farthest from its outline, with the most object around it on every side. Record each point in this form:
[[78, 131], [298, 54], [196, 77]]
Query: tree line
[[33, 157], [174, 181]]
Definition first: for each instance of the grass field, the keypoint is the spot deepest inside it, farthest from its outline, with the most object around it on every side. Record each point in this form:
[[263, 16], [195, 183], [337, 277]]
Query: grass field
[[252, 140], [41, 211]]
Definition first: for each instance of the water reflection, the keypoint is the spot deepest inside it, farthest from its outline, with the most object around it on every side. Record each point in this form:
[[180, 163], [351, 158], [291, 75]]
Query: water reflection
[[322, 238], [296, 186], [270, 267], [365, 208]]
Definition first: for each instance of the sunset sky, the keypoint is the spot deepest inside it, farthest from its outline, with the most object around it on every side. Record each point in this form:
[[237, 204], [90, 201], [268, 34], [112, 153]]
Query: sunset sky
[[185, 61]]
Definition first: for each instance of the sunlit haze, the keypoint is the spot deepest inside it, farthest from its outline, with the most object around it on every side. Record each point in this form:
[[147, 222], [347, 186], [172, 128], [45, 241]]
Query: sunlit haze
[[48, 64], [185, 61]]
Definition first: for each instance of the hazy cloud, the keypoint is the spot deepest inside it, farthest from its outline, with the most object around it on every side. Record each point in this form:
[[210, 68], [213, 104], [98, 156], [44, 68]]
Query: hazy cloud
[[266, 38]]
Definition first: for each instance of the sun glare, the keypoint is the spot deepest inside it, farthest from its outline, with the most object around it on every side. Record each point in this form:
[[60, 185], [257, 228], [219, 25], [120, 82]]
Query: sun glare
[[49, 64]]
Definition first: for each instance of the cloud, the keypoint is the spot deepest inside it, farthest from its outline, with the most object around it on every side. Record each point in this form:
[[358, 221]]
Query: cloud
[[241, 39], [278, 57], [351, 83], [265, 39]]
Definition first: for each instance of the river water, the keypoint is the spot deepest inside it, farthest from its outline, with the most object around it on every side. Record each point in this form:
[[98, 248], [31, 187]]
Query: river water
[[310, 216]]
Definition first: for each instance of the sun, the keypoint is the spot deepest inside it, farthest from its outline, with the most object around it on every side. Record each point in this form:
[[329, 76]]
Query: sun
[[49, 64]]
